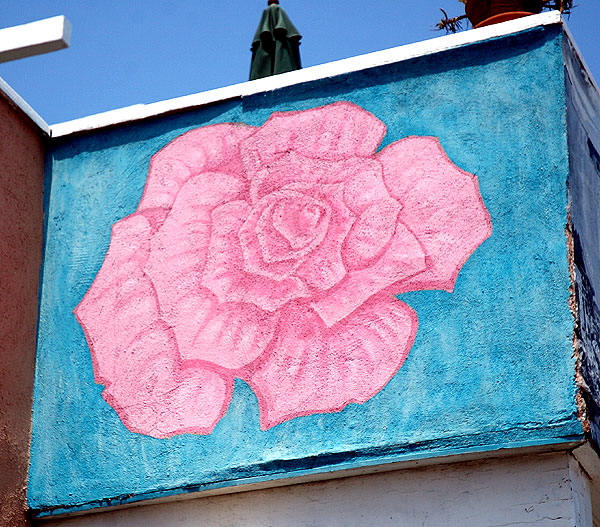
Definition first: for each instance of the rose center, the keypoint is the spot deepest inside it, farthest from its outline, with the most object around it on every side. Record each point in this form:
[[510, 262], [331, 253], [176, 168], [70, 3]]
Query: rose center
[[299, 223], [287, 225]]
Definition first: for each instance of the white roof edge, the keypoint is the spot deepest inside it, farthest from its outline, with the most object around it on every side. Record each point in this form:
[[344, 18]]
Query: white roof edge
[[18, 101], [322, 71]]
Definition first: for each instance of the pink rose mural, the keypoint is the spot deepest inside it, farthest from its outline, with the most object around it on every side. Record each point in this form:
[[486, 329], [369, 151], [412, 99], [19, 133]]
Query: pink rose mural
[[273, 254]]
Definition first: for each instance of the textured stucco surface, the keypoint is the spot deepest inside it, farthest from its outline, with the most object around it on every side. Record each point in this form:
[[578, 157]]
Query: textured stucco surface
[[492, 365], [584, 192], [526, 491], [21, 177]]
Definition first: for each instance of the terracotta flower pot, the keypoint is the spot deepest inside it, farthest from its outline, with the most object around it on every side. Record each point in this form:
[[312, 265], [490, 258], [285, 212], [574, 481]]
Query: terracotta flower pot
[[485, 12]]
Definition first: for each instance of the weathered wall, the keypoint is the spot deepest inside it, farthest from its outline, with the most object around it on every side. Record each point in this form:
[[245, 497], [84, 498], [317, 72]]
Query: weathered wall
[[21, 178], [163, 369], [584, 190], [528, 491]]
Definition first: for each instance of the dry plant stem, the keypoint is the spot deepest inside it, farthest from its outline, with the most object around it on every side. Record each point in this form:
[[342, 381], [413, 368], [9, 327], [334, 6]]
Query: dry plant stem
[[450, 25]]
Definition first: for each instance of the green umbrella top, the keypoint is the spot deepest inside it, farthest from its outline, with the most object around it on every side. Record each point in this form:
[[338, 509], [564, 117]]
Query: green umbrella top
[[275, 47]]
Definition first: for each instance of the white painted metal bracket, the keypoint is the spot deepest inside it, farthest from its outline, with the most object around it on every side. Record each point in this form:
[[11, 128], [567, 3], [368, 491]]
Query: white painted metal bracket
[[36, 38]]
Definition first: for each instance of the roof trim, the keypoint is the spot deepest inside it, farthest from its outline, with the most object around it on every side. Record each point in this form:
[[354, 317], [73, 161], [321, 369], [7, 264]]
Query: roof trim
[[20, 103], [379, 58]]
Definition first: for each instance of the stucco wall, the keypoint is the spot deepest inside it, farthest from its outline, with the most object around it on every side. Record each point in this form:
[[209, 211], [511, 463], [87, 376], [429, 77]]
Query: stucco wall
[[21, 178], [584, 190], [491, 365], [529, 491]]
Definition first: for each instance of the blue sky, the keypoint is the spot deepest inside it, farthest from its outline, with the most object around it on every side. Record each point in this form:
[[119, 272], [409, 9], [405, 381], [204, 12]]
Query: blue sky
[[124, 53]]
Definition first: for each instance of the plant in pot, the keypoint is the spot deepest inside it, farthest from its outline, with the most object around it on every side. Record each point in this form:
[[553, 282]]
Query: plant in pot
[[486, 12]]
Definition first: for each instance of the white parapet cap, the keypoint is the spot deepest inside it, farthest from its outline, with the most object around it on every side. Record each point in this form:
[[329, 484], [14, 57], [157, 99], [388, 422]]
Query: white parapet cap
[[35, 38], [20, 103], [28, 40], [331, 69]]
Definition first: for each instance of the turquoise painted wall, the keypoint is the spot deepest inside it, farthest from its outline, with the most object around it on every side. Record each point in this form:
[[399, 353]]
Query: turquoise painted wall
[[492, 365]]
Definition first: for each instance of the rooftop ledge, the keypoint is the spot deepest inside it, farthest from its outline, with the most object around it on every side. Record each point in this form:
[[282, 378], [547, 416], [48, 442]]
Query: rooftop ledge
[[20, 103], [379, 58]]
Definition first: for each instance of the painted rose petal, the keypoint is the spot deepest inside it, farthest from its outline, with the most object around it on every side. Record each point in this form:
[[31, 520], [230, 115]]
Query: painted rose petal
[[179, 248], [195, 404], [302, 220], [224, 263], [268, 246], [331, 133], [224, 274], [365, 187], [252, 244], [186, 316], [312, 369], [231, 335], [154, 395], [282, 239], [274, 254], [325, 267], [403, 258], [371, 234], [293, 171], [121, 302], [442, 206], [214, 148], [273, 246]]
